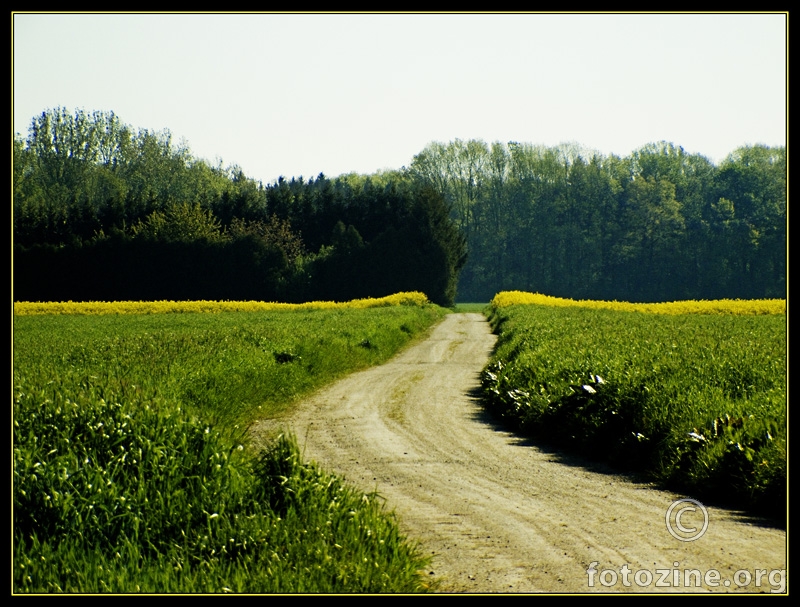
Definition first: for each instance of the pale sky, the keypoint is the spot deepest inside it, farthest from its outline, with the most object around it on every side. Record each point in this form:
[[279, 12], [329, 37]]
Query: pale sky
[[299, 94]]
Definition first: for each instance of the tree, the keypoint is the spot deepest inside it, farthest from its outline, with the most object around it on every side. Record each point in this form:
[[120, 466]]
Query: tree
[[649, 250], [440, 245], [62, 148], [753, 180], [181, 223], [274, 232]]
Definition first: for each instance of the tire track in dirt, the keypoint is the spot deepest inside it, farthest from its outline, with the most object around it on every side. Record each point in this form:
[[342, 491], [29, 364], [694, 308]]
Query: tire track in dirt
[[496, 513]]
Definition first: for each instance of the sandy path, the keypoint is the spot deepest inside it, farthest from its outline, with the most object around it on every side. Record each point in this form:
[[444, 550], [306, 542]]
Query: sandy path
[[500, 515]]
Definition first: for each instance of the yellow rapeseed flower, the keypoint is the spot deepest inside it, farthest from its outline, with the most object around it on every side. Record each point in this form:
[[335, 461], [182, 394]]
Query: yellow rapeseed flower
[[719, 306], [413, 298]]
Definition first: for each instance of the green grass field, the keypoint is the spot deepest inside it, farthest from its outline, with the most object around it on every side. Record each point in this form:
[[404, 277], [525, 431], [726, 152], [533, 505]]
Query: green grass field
[[132, 472], [695, 401], [478, 308], [229, 367]]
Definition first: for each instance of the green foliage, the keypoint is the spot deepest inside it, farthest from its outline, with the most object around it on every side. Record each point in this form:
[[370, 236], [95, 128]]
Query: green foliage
[[273, 233], [649, 227], [85, 183], [695, 401], [132, 472], [101, 474], [182, 223], [112, 498], [231, 367], [657, 225], [381, 241], [443, 248]]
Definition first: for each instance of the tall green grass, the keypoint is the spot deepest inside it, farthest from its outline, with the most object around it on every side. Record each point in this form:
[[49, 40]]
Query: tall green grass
[[231, 367], [132, 472], [697, 402]]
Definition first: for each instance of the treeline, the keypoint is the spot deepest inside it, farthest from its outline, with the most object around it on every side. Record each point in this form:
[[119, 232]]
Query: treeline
[[103, 211], [658, 225], [106, 212]]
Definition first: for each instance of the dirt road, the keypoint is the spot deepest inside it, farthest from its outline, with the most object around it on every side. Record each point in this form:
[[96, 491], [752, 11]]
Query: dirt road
[[500, 515]]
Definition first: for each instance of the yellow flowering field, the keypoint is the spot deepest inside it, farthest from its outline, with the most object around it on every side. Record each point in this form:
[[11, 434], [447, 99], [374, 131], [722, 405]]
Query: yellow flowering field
[[740, 307], [412, 298]]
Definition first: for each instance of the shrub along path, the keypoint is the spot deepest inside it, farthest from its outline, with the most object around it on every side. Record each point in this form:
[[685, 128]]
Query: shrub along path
[[497, 513]]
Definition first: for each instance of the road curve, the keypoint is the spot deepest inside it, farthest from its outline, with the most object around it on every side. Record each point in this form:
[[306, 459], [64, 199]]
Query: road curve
[[499, 514]]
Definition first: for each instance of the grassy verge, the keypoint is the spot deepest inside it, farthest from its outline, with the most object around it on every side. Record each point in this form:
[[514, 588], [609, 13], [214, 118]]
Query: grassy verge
[[696, 401], [131, 472], [476, 308]]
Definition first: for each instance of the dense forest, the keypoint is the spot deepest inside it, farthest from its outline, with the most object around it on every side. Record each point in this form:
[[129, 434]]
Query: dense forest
[[658, 225], [106, 212], [103, 211]]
